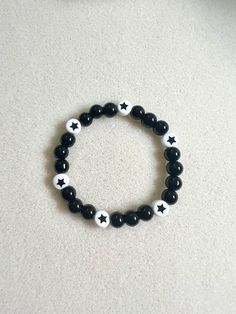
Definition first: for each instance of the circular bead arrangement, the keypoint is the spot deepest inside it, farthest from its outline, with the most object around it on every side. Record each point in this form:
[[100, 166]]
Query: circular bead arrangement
[[145, 212]]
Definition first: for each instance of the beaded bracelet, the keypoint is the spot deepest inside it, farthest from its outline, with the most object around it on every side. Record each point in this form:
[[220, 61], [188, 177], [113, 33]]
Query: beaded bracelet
[[144, 212]]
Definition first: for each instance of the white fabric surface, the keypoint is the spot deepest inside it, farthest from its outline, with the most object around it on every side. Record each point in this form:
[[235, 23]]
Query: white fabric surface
[[177, 59]]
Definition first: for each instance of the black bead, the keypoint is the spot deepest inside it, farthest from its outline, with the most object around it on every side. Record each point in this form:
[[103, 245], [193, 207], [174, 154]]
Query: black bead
[[68, 139], [75, 206], [137, 113], [145, 212], [149, 120], [85, 119], [174, 168], [169, 196], [173, 183], [61, 166], [131, 218], [110, 110], [96, 111], [117, 219], [161, 127], [68, 193], [172, 154], [61, 152], [88, 211]]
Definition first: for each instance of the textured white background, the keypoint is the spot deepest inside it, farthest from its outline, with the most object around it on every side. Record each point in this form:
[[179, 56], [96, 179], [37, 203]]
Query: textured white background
[[177, 59]]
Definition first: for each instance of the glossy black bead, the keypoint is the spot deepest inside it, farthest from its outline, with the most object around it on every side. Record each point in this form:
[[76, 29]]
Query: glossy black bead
[[137, 113], [169, 196], [61, 166], [117, 219], [149, 120], [145, 212], [68, 193], [173, 183], [172, 154], [96, 111], [61, 152], [131, 218], [88, 211], [68, 139], [85, 119], [75, 206], [161, 127], [110, 110], [174, 168]]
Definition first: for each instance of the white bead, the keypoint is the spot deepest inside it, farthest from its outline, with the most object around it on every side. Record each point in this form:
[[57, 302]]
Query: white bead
[[60, 181], [102, 218], [160, 208], [124, 107], [73, 126], [169, 140]]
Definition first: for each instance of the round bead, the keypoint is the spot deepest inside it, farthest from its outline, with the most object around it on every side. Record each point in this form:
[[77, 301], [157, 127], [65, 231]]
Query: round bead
[[110, 110], [75, 206], [124, 108], [61, 152], [61, 166], [169, 196], [68, 193], [60, 181], [68, 139], [137, 113], [88, 211], [149, 120], [131, 218], [117, 220], [174, 168], [169, 140], [86, 119], [96, 111], [145, 212], [160, 208], [172, 154], [173, 183], [73, 126], [102, 218], [161, 127]]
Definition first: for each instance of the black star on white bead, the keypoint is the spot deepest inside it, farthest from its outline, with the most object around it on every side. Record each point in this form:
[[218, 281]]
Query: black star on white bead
[[171, 140], [102, 218], [60, 182], [161, 208], [74, 126], [123, 106]]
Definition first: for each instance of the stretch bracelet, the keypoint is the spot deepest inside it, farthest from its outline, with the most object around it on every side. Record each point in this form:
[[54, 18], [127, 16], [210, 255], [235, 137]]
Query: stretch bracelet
[[144, 212]]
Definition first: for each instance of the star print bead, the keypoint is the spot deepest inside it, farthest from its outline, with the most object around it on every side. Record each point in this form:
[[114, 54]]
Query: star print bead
[[169, 140], [124, 108], [102, 218], [73, 126], [160, 208], [60, 181]]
